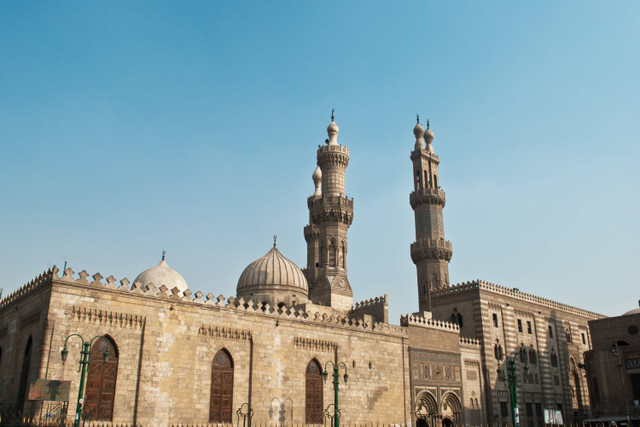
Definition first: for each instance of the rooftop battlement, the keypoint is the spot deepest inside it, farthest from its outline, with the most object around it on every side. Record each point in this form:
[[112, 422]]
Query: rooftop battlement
[[514, 293], [209, 300], [425, 322]]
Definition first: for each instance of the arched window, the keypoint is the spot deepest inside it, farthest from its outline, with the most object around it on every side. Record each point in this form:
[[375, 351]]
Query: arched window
[[24, 373], [554, 359], [460, 319], [533, 358], [313, 395], [221, 403], [101, 381]]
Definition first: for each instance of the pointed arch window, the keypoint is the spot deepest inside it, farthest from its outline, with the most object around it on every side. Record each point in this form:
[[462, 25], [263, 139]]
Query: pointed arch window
[[24, 372], [101, 381], [313, 394], [221, 400]]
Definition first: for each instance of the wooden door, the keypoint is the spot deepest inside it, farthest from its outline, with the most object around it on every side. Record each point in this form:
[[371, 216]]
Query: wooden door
[[313, 396], [101, 382], [221, 403]]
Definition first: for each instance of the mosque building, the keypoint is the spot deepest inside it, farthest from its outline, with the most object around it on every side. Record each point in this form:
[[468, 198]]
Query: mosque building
[[165, 355]]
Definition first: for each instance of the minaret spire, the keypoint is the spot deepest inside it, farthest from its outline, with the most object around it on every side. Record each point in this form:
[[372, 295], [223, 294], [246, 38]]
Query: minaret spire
[[430, 253], [330, 215]]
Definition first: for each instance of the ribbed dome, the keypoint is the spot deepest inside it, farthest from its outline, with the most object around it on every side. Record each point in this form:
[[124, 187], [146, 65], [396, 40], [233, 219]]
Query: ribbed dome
[[272, 270], [160, 275]]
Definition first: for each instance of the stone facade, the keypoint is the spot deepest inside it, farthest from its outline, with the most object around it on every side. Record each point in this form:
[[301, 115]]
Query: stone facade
[[613, 367]]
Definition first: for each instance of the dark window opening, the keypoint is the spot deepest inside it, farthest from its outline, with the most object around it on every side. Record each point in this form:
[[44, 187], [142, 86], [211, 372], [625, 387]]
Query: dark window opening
[[519, 325], [529, 330], [504, 411], [495, 320], [635, 385], [550, 331], [584, 339], [24, 373]]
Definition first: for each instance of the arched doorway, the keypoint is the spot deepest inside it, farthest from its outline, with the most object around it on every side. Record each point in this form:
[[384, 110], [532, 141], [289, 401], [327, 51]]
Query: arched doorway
[[101, 381], [221, 402], [451, 410], [313, 393], [426, 410]]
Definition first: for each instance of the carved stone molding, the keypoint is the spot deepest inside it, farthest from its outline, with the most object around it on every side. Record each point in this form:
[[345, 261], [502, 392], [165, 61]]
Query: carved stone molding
[[106, 318], [219, 332], [316, 345]]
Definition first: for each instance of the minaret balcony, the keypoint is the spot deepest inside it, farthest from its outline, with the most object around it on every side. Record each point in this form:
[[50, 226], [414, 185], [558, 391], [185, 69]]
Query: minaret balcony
[[431, 249], [333, 156], [332, 208], [430, 196]]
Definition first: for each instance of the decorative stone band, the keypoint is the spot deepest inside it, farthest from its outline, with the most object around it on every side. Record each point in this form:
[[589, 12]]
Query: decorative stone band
[[431, 249], [210, 331], [107, 318], [332, 208], [511, 292], [332, 156], [317, 345], [429, 196], [411, 320], [416, 154], [187, 297]]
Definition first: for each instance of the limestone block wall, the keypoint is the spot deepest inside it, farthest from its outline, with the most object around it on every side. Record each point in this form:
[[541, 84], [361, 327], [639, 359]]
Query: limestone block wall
[[166, 343], [23, 318]]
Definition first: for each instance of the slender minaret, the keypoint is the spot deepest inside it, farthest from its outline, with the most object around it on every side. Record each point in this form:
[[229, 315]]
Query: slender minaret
[[430, 252], [330, 215]]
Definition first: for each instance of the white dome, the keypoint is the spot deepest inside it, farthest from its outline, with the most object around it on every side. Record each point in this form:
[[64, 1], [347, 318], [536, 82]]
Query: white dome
[[272, 271], [160, 275]]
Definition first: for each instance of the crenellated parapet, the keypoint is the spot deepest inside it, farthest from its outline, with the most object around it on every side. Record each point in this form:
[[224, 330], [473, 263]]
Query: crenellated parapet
[[42, 280], [175, 296], [514, 293], [425, 322], [470, 342], [377, 308], [431, 249]]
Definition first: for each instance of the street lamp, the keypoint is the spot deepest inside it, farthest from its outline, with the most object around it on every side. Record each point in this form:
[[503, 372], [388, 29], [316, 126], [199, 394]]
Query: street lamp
[[336, 381], [85, 353], [511, 376]]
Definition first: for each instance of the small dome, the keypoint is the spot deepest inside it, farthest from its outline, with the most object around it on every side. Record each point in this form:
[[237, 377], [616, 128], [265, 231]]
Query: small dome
[[317, 182], [333, 130], [634, 311], [162, 274], [428, 136], [317, 175], [272, 271], [418, 131]]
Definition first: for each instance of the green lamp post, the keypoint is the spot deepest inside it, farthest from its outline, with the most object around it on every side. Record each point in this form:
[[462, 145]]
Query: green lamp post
[[511, 378], [336, 382], [85, 354]]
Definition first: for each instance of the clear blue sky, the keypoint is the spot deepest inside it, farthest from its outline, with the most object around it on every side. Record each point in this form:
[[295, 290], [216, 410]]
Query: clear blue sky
[[129, 128]]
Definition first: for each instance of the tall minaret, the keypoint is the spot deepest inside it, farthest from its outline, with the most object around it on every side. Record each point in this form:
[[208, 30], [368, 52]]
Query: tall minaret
[[430, 252], [331, 214]]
